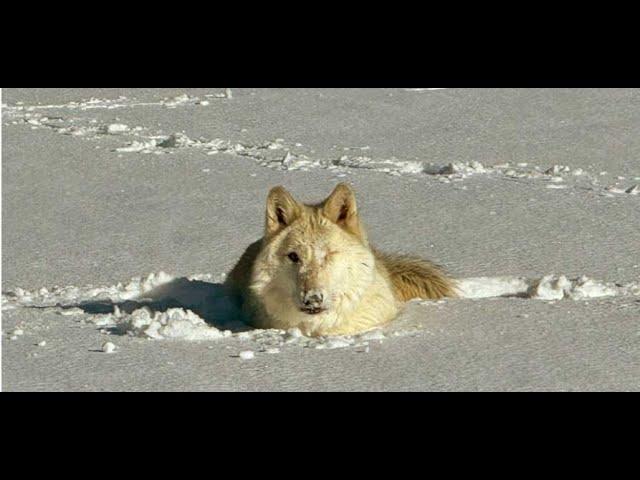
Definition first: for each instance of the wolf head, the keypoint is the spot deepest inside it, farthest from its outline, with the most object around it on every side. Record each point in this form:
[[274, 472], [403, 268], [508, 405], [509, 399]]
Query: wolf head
[[315, 262]]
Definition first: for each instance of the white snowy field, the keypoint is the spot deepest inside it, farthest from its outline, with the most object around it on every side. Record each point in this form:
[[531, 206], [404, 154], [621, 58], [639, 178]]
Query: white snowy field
[[124, 208]]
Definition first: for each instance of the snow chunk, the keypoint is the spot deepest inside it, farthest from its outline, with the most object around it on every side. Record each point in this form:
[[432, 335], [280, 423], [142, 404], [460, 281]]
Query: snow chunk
[[484, 287], [175, 323], [548, 287], [116, 128], [246, 355], [136, 146], [587, 288], [459, 168], [373, 335], [179, 100], [294, 333], [335, 342]]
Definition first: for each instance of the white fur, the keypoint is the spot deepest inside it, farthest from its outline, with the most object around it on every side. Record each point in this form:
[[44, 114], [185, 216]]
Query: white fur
[[358, 295]]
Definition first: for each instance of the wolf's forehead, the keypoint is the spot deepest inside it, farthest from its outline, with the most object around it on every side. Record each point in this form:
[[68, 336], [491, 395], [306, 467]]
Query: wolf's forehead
[[316, 239]]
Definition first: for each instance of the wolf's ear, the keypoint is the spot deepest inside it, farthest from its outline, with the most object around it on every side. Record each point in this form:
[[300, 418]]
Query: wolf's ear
[[282, 209], [340, 207]]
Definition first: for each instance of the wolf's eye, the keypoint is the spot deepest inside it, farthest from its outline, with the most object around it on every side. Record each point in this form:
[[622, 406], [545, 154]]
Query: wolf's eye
[[293, 256]]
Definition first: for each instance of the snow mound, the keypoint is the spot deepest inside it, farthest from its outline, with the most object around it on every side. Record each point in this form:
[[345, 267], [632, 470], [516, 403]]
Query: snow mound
[[115, 128], [174, 323], [56, 296], [392, 166], [548, 287]]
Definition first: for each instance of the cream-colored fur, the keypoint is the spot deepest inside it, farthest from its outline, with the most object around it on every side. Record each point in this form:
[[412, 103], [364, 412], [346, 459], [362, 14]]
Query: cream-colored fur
[[314, 270]]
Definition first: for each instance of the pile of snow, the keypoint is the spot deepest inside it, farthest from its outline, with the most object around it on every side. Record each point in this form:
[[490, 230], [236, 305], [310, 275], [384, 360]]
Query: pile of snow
[[67, 126], [226, 94], [115, 128], [148, 146], [548, 287], [179, 140], [457, 168], [391, 166], [184, 324], [179, 100], [174, 323], [185, 99], [111, 104], [181, 324], [56, 296], [633, 190]]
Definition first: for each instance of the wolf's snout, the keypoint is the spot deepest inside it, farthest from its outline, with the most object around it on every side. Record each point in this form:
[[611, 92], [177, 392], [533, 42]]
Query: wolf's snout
[[312, 302], [312, 299]]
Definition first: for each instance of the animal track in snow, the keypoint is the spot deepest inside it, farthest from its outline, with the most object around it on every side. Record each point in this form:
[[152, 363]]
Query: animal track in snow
[[288, 156]]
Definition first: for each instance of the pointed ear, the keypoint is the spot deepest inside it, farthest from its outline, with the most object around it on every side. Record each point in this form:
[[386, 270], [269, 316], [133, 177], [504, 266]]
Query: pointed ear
[[282, 209], [340, 207]]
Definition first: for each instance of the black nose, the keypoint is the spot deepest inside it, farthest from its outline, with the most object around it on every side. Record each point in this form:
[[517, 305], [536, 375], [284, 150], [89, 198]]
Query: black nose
[[313, 299]]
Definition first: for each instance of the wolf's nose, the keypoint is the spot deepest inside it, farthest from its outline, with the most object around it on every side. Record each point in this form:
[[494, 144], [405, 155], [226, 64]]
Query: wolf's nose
[[313, 299]]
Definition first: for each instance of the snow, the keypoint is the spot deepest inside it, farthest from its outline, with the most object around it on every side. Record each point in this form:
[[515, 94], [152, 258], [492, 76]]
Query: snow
[[116, 128], [547, 287], [502, 187], [246, 355], [175, 323], [108, 347], [334, 343]]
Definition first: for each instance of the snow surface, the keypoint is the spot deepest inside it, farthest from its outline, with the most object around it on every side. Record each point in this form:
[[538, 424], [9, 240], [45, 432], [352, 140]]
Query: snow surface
[[529, 197]]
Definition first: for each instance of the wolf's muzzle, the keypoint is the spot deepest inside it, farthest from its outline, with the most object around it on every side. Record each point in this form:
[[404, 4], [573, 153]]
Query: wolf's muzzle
[[312, 302]]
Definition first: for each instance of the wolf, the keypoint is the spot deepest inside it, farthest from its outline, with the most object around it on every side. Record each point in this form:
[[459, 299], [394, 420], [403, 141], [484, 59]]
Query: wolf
[[315, 270]]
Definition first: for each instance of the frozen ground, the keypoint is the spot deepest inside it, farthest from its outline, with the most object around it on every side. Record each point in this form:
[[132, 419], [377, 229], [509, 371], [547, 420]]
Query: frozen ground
[[533, 189]]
